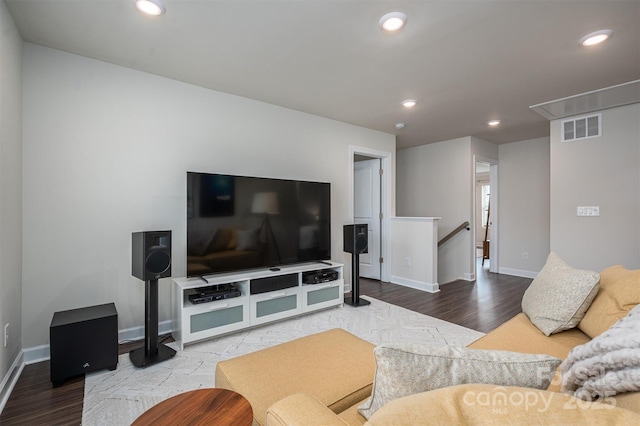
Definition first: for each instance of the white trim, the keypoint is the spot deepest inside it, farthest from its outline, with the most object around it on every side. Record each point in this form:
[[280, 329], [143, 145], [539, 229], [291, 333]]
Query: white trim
[[10, 379], [494, 260], [137, 333], [385, 199], [518, 272], [469, 277], [42, 353], [36, 354], [418, 285], [416, 219]]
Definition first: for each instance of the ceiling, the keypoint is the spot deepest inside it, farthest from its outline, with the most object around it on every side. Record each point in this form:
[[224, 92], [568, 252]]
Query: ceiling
[[465, 62]]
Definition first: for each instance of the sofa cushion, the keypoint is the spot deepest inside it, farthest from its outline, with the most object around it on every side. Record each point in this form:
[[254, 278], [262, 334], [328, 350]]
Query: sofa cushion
[[520, 335], [403, 370], [559, 296], [334, 366], [619, 293], [482, 404], [302, 409]]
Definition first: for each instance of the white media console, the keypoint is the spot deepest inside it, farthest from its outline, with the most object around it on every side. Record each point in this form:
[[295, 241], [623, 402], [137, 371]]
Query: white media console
[[201, 321]]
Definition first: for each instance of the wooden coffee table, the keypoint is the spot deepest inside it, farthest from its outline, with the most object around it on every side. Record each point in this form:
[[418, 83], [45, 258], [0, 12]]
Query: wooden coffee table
[[211, 406]]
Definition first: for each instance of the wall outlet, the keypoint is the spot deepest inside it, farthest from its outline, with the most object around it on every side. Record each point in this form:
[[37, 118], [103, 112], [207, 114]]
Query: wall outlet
[[6, 335], [525, 255], [407, 261]]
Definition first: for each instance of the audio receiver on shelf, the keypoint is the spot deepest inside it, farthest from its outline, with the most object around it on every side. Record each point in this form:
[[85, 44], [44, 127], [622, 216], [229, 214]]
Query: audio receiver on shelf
[[213, 293], [319, 277]]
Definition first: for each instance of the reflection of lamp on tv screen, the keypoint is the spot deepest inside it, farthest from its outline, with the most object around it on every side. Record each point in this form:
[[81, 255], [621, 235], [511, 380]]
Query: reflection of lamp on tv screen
[[266, 203], [238, 222]]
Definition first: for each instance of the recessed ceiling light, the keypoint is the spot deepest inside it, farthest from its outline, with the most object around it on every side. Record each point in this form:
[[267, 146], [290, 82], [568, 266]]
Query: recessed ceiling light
[[400, 126], [409, 103], [596, 37], [150, 7], [493, 122], [393, 21]]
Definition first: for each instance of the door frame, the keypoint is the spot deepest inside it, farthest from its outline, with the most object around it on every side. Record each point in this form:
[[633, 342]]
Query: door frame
[[493, 221], [370, 266], [386, 199]]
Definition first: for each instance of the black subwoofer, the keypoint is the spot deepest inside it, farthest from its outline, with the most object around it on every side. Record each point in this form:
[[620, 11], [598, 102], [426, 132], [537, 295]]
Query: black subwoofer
[[356, 238], [151, 255], [83, 340]]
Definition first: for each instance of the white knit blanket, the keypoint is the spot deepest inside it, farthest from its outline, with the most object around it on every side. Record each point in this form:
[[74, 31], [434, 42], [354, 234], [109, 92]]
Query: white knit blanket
[[608, 364]]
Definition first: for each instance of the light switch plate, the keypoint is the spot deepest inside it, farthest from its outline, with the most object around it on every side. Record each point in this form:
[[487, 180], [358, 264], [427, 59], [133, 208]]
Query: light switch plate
[[588, 211]]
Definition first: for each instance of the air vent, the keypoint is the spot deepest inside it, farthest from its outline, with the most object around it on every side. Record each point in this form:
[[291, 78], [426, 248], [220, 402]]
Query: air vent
[[588, 126]]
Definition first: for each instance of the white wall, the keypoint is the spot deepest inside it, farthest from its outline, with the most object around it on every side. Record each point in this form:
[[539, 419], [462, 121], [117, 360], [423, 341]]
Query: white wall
[[523, 206], [106, 149], [414, 256], [435, 180], [603, 172], [10, 191]]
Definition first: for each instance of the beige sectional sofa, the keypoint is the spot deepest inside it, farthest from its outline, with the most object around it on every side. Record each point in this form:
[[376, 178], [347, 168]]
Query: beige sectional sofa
[[324, 379]]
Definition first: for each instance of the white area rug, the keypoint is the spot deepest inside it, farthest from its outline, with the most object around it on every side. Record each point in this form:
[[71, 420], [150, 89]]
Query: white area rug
[[119, 397]]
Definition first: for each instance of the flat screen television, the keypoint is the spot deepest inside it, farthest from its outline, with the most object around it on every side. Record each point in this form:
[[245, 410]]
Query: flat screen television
[[237, 223]]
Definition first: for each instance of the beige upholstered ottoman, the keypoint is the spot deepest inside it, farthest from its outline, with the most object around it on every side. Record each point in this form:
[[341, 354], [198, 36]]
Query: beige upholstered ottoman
[[334, 366]]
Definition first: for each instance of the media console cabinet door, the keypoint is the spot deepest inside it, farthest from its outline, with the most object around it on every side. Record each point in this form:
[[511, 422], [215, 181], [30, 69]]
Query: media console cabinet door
[[205, 320], [275, 305]]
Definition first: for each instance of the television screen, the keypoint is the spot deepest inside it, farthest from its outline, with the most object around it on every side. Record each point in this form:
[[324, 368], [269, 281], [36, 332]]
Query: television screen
[[239, 222]]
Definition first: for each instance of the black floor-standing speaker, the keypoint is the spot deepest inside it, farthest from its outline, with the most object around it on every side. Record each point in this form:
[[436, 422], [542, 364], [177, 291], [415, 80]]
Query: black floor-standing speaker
[[355, 242], [151, 260]]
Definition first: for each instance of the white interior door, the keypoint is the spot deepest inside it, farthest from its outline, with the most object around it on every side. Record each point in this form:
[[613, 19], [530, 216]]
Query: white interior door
[[366, 209]]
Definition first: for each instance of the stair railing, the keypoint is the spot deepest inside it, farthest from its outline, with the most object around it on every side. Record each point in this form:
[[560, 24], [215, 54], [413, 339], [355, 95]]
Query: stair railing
[[453, 233]]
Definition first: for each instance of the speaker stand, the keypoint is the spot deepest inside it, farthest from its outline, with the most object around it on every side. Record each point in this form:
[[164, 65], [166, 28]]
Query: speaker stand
[[152, 353], [355, 300]]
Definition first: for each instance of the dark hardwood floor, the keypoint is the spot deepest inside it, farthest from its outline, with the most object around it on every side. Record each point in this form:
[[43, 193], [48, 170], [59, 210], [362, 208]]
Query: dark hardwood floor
[[481, 305]]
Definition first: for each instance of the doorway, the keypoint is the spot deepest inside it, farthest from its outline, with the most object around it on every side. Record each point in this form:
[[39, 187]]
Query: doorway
[[485, 246], [483, 214], [367, 180], [371, 202]]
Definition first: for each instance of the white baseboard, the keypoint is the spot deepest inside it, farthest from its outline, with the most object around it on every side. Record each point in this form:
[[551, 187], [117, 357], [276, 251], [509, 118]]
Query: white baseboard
[[42, 353], [418, 285], [137, 333], [10, 379], [518, 272], [468, 277]]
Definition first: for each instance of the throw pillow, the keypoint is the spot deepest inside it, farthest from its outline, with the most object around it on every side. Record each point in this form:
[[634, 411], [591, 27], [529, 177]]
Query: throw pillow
[[608, 364], [248, 240], [220, 240], [619, 293], [559, 296], [403, 370]]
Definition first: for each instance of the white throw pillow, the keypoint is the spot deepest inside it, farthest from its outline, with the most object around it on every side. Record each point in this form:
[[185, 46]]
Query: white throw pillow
[[559, 296], [403, 370]]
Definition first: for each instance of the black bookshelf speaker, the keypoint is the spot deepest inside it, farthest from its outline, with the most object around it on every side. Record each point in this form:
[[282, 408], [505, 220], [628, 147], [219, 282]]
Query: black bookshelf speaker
[[356, 238], [151, 255]]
